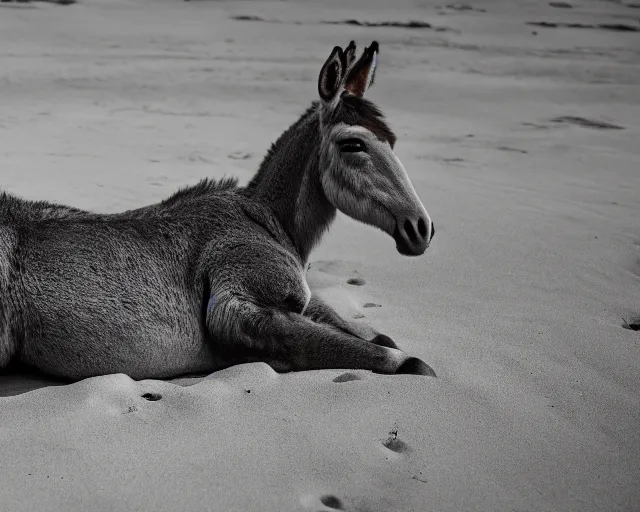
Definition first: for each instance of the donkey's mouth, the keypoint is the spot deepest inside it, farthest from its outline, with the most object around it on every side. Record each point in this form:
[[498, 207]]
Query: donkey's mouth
[[402, 246]]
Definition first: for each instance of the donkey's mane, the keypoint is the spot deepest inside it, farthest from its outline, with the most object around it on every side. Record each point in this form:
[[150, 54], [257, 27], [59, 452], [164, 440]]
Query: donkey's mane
[[273, 150], [203, 187]]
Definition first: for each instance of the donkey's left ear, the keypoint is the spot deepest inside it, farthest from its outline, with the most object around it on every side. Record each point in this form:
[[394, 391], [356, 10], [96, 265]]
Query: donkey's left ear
[[331, 74], [362, 73]]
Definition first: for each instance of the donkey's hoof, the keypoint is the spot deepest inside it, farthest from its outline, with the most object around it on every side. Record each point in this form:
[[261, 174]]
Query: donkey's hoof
[[415, 366], [384, 341]]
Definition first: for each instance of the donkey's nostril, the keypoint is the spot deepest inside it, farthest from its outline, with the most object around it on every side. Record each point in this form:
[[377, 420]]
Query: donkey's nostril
[[433, 231], [411, 233], [422, 228]]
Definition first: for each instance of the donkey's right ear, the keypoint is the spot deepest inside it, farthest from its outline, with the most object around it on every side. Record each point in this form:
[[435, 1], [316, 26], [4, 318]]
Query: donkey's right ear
[[331, 74]]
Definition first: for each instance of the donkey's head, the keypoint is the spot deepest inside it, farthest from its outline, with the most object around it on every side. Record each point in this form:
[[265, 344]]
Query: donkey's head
[[360, 174]]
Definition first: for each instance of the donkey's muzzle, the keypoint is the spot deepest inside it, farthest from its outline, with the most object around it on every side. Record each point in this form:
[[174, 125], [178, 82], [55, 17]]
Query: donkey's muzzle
[[413, 237]]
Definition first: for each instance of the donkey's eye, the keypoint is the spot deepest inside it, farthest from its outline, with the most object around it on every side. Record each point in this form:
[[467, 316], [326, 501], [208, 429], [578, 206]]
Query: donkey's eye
[[351, 145]]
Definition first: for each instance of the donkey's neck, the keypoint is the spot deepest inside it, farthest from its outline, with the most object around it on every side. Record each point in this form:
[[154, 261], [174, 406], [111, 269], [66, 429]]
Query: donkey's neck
[[288, 181]]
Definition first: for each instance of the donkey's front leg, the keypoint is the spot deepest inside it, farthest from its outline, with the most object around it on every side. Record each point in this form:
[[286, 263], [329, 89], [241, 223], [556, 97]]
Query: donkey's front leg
[[289, 341], [320, 312]]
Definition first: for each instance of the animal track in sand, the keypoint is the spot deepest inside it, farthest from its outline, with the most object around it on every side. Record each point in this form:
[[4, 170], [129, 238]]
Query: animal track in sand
[[328, 500], [347, 377], [394, 444], [631, 324], [152, 397], [356, 281]]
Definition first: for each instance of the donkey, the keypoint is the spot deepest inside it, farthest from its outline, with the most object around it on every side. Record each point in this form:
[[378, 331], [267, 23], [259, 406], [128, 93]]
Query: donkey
[[215, 275]]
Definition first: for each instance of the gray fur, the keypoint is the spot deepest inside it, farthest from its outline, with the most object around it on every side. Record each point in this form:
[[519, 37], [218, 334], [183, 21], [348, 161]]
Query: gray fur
[[210, 277]]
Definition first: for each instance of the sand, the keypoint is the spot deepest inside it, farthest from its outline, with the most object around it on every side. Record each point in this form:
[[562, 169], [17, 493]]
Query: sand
[[520, 305]]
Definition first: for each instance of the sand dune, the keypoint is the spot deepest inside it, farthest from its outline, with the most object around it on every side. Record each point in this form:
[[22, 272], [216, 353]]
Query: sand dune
[[521, 140]]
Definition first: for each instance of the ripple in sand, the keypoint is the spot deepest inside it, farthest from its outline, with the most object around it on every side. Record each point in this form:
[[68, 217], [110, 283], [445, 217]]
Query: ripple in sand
[[587, 123]]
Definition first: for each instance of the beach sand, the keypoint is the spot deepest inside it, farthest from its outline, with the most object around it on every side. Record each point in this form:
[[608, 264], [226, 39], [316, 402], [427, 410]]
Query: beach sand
[[523, 143]]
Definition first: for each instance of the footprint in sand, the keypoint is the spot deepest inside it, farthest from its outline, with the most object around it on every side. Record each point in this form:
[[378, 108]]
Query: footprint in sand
[[324, 503], [394, 444], [633, 324], [347, 377], [328, 500]]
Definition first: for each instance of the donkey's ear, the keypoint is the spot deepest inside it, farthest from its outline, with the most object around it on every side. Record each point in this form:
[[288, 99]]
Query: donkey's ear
[[361, 75], [331, 74], [350, 54]]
